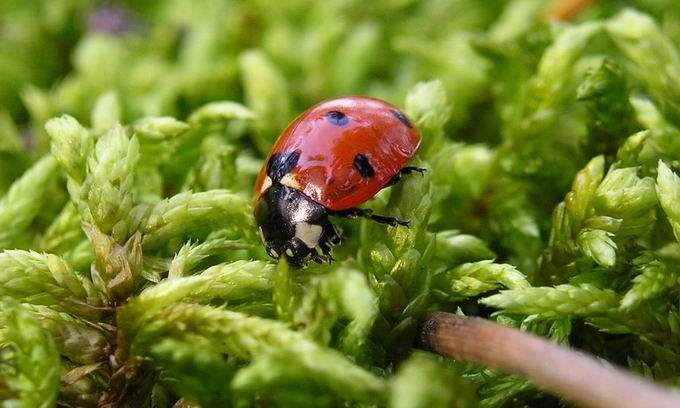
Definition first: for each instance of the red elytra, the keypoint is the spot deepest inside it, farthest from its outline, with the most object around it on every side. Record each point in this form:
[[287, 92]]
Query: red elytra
[[326, 171]]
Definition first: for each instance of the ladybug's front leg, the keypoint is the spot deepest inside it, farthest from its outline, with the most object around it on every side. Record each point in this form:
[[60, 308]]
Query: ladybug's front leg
[[368, 213], [326, 251], [403, 172], [318, 258], [329, 237]]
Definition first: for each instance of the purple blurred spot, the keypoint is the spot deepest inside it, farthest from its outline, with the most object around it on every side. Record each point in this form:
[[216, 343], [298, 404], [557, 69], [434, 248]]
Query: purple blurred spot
[[112, 19]]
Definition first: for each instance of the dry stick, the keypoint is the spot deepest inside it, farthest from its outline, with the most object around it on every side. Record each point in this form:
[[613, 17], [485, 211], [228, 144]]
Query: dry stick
[[570, 374]]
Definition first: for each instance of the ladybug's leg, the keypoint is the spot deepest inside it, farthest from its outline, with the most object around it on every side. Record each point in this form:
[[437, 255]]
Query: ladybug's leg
[[326, 250], [368, 213], [411, 169], [330, 235], [403, 172], [328, 238], [316, 257], [326, 242]]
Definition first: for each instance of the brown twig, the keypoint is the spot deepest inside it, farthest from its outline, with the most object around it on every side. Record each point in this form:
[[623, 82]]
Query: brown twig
[[571, 375]]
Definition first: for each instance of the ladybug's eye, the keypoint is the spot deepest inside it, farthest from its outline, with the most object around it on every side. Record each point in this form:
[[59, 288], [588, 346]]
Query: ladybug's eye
[[337, 118]]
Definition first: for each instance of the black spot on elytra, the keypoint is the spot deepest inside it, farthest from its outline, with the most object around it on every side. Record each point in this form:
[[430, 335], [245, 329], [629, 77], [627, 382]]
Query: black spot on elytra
[[363, 165], [337, 118], [281, 164], [402, 118]]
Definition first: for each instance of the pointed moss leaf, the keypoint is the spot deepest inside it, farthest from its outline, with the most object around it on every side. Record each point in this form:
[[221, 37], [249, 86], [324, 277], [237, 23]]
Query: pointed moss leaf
[[45, 279], [382, 259], [252, 338], [654, 279], [147, 186], [266, 94], [412, 199], [343, 294], [561, 225], [216, 168], [597, 245], [428, 106], [99, 58], [498, 389], [38, 104], [354, 59], [649, 114], [630, 152], [623, 194], [668, 189], [284, 295], [108, 187], [71, 145], [602, 222], [232, 281], [228, 281], [558, 301], [75, 338], [194, 368], [34, 356], [106, 112], [24, 200], [472, 279], [159, 128], [425, 381], [360, 304], [455, 248], [191, 255], [602, 81], [10, 139], [80, 384], [606, 95], [187, 214], [470, 165], [557, 61], [64, 233], [311, 371], [81, 256], [512, 23], [516, 219], [220, 112], [578, 201], [653, 55]]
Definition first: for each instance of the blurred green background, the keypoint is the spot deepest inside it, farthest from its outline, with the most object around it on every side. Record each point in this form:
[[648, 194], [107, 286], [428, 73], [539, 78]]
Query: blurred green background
[[169, 57]]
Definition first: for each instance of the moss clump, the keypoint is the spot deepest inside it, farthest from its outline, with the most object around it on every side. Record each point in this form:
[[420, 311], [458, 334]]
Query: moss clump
[[131, 134]]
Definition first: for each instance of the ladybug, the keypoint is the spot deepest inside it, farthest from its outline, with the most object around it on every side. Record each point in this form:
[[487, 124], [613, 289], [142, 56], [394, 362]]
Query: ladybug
[[332, 158]]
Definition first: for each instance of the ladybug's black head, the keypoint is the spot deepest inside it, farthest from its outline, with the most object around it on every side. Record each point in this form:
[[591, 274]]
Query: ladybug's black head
[[293, 225]]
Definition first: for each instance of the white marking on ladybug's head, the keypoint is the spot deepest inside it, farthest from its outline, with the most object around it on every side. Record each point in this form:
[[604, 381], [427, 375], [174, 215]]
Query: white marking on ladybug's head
[[289, 180], [310, 234], [261, 233], [272, 252], [290, 253], [266, 184]]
